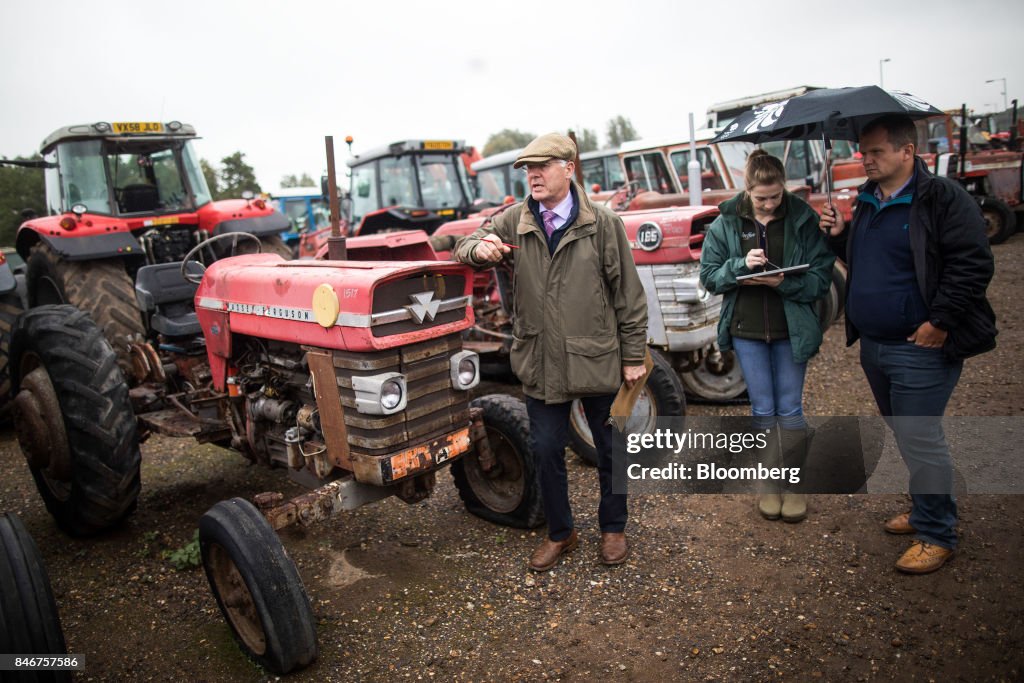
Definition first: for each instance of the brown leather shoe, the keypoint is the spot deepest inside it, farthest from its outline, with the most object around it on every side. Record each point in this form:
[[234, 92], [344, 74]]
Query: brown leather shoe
[[614, 548], [547, 553], [923, 558], [900, 524]]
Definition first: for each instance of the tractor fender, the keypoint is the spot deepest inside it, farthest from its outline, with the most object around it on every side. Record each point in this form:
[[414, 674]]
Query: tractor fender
[[261, 226], [83, 246]]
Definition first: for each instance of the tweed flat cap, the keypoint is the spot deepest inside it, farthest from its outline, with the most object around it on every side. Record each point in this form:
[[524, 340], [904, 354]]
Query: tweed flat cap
[[550, 146]]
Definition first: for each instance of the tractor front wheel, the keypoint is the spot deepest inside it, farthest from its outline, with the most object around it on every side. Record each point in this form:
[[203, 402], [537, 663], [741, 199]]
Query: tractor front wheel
[[1000, 221], [74, 419], [257, 587], [28, 612], [508, 493]]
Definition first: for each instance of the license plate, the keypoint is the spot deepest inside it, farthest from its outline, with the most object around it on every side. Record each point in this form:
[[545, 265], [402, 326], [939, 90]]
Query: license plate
[[438, 144], [137, 127]]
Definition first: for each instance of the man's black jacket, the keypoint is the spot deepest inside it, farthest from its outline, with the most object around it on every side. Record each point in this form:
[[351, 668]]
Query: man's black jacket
[[952, 262]]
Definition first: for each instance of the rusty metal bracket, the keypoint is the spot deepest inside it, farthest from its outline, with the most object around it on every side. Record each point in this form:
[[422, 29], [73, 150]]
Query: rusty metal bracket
[[478, 433], [328, 401], [319, 504]]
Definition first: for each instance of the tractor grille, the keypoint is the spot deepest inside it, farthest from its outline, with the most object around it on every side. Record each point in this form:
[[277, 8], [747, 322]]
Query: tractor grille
[[434, 407], [683, 304], [393, 299]]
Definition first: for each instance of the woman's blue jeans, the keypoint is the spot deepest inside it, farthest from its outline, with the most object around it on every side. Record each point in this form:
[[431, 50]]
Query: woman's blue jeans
[[775, 382]]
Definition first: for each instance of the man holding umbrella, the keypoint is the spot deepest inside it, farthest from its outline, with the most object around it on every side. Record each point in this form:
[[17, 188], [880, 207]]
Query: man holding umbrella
[[919, 266]]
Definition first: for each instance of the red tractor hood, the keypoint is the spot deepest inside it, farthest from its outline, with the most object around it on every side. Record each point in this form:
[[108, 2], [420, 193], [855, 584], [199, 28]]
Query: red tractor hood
[[349, 305]]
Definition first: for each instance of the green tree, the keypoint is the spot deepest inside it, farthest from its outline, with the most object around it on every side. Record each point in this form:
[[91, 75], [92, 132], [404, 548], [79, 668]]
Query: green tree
[[236, 177], [587, 140], [20, 189], [620, 130], [291, 180], [212, 181], [506, 139]]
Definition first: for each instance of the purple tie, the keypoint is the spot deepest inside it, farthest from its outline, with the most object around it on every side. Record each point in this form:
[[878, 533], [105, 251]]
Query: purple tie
[[549, 221]]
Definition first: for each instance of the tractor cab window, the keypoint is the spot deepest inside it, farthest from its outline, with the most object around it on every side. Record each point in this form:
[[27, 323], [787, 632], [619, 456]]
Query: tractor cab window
[[491, 184], [593, 174], [196, 179], [364, 192], [650, 172], [440, 183], [397, 182], [613, 170], [735, 154], [710, 178], [146, 180], [83, 179], [321, 213]]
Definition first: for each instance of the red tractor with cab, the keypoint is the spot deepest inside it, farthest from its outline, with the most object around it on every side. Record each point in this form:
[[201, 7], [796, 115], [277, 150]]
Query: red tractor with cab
[[122, 196]]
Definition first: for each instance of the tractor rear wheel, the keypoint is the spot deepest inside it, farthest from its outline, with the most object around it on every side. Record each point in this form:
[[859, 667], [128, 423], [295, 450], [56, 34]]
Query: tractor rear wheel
[[1000, 221], [102, 288], [508, 494], [257, 587], [10, 309], [28, 613], [662, 396], [74, 419]]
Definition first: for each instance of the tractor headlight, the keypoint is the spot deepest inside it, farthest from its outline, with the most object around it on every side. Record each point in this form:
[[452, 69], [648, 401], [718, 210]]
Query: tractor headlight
[[465, 370], [382, 394], [391, 394]]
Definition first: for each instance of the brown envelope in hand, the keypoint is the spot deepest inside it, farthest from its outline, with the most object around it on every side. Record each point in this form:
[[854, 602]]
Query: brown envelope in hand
[[622, 407]]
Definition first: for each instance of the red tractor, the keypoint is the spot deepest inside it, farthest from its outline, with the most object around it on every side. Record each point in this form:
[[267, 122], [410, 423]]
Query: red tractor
[[122, 196], [351, 376]]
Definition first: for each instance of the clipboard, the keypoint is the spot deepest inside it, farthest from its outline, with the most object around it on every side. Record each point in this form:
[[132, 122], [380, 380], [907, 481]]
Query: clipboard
[[625, 399], [802, 268]]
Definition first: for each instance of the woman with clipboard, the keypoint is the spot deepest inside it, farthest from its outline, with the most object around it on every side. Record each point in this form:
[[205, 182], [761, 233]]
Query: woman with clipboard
[[767, 256]]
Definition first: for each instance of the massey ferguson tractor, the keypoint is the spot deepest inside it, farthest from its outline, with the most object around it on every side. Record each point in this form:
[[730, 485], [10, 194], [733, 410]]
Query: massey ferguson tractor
[[350, 376], [122, 196]]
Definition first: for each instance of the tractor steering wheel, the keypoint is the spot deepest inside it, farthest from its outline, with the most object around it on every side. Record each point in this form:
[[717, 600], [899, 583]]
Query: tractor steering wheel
[[196, 278], [623, 196]]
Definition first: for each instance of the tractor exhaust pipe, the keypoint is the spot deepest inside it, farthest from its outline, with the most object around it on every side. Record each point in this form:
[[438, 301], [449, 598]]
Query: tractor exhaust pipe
[[336, 250]]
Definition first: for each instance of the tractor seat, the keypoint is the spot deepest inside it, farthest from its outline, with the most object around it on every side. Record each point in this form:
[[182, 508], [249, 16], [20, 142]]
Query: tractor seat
[[141, 197], [168, 299]]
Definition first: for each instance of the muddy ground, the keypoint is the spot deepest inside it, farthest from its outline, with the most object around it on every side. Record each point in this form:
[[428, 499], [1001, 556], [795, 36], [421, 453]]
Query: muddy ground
[[712, 592]]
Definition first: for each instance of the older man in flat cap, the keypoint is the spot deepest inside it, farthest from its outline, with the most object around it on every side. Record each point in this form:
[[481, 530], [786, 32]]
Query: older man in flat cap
[[580, 328]]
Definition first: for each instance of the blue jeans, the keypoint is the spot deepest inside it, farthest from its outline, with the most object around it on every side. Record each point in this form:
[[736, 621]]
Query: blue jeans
[[775, 382], [549, 435], [915, 383]]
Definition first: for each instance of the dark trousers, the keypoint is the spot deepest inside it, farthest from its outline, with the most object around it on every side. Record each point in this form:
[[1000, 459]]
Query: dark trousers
[[549, 435], [912, 384]]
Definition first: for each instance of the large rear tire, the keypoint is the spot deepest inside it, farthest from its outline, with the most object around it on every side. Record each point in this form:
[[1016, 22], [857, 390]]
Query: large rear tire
[[274, 244], [101, 288], [29, 621], [74, 419], [663, 396], [10, 309], [257, 587], [509, 494]]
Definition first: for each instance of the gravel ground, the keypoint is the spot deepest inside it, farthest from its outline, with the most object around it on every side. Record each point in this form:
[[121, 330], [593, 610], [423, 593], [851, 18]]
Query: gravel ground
[[712, 592]]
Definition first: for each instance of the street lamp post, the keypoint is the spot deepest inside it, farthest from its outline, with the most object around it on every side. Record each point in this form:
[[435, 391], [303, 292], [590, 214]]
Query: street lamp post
[[1006, 104], [881, 80]]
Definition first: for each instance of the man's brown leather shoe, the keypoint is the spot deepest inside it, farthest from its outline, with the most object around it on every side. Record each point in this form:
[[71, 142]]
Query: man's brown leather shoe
[[923, 558], [900, 524], [614, 548], [547, 553]]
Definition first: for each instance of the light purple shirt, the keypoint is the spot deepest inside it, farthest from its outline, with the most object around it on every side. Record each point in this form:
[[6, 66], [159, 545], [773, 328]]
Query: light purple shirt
[[562, 211]]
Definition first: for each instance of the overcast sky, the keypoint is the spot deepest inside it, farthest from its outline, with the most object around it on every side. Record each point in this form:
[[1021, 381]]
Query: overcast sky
[[271, 79]]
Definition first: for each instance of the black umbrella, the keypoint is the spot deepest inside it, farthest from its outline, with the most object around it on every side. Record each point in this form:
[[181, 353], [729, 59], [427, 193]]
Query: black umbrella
[[826, 114], [837, 114]]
